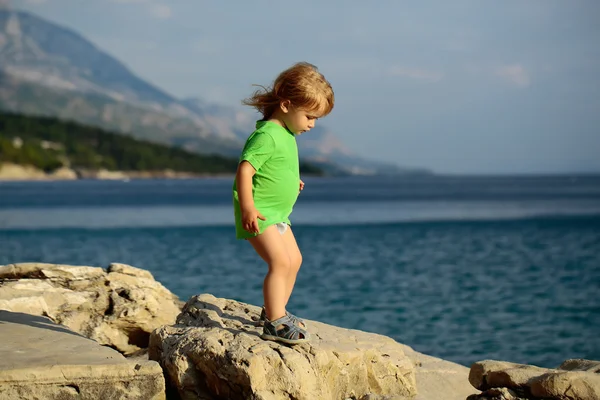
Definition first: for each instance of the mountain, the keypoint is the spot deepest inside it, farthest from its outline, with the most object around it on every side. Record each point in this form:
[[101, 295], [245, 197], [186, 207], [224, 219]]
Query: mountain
[[49, 70], [36, 50], [92, 109]]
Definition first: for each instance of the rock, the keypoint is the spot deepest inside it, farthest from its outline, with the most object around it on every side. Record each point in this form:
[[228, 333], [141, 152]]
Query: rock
[[62, 173], [15, 172], [215, 350], [437, 378], [43, 360], [574, 380], [377, 397], [489, 374], [118, 308], [110, 175], [129, 270], [581, 365], [572, 385], [497, 394]]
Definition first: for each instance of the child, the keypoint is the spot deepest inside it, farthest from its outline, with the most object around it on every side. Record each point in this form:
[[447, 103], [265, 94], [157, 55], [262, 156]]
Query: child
[[267, 184]]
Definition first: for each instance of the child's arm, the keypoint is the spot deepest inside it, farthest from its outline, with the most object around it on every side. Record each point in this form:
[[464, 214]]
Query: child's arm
[[243, 180]]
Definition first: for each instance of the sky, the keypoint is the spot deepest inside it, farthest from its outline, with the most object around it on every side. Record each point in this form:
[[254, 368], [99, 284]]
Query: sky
[[458, 87]]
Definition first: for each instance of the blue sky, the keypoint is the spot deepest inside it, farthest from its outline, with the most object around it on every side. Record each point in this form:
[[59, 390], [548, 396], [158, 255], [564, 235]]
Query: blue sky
[[455, 86]]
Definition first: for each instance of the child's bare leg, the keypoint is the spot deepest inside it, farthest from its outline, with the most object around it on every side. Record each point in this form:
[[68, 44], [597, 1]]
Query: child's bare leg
[[270, 246], [295, 260]]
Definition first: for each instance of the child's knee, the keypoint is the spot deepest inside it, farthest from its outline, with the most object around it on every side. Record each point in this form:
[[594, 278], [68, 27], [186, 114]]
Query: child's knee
[[283, 265], [296, 262]]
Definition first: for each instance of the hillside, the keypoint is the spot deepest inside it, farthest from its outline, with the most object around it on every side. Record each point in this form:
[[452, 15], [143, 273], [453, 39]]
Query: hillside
[[25, 97], [49, 144]]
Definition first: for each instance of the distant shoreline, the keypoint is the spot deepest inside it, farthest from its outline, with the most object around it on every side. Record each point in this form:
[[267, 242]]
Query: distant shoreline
[[14, 173]]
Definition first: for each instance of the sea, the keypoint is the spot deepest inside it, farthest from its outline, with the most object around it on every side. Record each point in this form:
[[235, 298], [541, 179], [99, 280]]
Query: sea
[[463, 268]]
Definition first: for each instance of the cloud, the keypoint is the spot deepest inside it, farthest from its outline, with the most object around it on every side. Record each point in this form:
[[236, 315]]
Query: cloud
[[161, 11], [129, 1], [416, 74], [515, 74], [28, 1]]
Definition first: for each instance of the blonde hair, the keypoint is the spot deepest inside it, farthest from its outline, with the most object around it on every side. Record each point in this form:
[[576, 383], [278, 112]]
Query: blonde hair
[[302, 85]]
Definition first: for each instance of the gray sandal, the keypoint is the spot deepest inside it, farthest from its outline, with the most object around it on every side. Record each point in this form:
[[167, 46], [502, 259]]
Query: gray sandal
[[290, 333], [295, 320]]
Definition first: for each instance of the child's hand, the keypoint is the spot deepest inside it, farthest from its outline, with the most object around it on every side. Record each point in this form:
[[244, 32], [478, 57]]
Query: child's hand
[[301, 185], [250, 221]]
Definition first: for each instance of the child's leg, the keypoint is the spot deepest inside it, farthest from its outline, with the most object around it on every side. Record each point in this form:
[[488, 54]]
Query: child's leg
[[295, 260], [271, 247]]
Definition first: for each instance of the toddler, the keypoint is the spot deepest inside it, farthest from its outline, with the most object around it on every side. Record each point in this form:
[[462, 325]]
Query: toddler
[[267, 184]]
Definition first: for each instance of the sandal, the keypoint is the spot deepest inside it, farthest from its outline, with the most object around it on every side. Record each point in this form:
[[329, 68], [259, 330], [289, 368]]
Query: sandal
[[290, 333], [295, 320]]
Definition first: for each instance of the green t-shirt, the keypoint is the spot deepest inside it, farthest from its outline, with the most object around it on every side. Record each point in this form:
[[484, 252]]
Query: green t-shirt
[[273, 152]]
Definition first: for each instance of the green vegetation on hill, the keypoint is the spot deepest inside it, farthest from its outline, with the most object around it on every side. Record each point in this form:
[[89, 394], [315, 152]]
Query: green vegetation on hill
[[49, 143], [22, 97]]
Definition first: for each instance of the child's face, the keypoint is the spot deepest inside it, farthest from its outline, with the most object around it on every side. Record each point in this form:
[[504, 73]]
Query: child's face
[[299, 120]]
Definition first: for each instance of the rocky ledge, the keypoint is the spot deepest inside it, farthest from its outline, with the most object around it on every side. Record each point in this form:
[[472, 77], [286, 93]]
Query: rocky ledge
[[215, 349], [43, 360], [210, 349]]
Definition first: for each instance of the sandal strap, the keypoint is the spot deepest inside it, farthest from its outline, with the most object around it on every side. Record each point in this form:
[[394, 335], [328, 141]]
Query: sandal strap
[[281, 321], [289, 332], [295, 319]]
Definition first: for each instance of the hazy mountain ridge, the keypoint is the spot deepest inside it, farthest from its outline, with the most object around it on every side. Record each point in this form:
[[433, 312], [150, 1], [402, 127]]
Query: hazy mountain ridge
[[40, 51], [97, 110], [53, 71]]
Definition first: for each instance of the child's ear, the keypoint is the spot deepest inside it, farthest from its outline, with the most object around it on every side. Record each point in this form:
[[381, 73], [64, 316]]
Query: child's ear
[[285, 106]]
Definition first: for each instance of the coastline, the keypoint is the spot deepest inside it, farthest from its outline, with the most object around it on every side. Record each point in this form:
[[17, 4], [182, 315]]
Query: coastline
[[77, 331], [15, 172], [124, 308]]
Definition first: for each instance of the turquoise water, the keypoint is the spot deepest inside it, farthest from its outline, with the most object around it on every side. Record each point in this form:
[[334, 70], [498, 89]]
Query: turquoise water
[[459, 268]]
